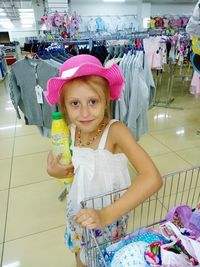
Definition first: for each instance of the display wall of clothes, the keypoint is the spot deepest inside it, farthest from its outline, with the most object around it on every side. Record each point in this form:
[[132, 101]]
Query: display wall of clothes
[[169, 21], [109, 24], [71, 25]]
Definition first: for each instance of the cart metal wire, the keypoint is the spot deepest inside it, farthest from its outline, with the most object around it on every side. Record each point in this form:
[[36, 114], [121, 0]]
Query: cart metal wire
[[181, 187]]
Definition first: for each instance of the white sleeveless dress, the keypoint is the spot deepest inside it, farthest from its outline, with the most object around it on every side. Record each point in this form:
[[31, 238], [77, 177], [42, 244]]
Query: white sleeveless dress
[[96, 172]]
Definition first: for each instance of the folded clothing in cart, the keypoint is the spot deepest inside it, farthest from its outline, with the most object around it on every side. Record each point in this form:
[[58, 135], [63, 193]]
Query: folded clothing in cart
[[145, 235], [131, 255], [182, 250], [195, 221], [187, 220], [178, 251], [176, 244]]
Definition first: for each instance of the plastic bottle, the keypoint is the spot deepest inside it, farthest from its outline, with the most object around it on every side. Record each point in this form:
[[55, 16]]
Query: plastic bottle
[[60, 140]]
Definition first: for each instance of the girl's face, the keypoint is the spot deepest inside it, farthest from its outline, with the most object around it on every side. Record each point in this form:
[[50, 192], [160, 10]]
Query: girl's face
[[84, 106]]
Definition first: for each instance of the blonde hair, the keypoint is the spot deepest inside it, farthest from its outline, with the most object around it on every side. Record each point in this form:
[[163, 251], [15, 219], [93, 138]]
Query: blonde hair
[[98, 84]]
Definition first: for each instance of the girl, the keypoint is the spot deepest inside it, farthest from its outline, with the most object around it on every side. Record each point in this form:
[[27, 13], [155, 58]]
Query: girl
[[101, 149]]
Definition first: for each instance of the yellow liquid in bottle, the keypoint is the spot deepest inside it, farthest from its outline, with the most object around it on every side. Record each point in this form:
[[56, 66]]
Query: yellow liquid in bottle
[[60, 140]]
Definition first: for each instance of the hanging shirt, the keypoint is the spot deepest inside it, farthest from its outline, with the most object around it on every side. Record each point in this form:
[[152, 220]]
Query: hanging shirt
[[137, 93], [23, 78]]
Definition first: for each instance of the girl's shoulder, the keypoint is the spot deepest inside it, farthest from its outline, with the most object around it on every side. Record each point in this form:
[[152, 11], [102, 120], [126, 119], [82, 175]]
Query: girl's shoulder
[[116, 125], [120, 138], [118, 130], [120, 133]]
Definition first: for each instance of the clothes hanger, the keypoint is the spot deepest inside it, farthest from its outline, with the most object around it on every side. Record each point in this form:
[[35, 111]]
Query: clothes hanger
[[32, 55]]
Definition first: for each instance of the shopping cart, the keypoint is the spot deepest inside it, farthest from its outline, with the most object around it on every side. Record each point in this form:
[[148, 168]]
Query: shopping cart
[[181, 187]]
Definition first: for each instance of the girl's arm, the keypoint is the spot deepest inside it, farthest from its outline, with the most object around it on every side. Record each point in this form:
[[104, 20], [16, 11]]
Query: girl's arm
[[146, 184]]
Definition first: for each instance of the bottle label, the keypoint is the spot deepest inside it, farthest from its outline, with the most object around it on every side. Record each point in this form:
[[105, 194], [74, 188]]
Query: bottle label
[[60, 144]]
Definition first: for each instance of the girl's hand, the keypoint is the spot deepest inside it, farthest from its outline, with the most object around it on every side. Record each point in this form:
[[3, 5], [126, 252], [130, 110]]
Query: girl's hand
[[55, 169], [91, 218]]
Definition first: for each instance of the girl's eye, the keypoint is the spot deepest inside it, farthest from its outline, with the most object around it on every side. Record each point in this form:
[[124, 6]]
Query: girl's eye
[[75, 103], [93, 102]]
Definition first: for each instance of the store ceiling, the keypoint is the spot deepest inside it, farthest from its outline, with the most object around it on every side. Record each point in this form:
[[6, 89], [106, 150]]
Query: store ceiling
[[11, 6]]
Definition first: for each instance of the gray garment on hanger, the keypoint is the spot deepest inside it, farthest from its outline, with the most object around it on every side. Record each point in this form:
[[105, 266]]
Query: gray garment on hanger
[[133, 105], [22, 81], [44, 131], [121, 106], [54, 63], [138, 98]]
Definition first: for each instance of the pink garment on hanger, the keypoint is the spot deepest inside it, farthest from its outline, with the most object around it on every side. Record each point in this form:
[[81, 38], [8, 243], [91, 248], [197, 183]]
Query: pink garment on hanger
[[180, 23], [166, 23], [157, 60], [195, 84], [153, 51]]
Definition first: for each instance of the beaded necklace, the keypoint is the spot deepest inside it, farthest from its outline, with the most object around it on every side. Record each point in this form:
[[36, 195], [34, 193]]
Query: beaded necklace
[[89, 142]]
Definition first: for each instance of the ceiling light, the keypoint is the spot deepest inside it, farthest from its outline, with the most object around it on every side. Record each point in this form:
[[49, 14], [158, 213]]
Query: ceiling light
[[7, 25], [4, 20], [3, 14], [114, 1], [27, 22], [27, 19], [25, 15], [22, 10], [30, 22], [1, 9], [27, 26]]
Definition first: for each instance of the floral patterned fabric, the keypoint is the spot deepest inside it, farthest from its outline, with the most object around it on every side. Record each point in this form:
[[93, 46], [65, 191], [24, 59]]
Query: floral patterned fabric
[[112, 233]]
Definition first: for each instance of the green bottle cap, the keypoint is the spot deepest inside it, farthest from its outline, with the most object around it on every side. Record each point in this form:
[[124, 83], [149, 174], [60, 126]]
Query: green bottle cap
[[57, 115]]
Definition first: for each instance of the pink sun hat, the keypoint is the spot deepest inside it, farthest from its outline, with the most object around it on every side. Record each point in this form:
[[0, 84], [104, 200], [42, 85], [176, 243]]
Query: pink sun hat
[[84, 65]]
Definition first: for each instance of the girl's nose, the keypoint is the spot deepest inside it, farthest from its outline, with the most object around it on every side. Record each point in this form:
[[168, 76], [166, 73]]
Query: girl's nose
[[85, 111]]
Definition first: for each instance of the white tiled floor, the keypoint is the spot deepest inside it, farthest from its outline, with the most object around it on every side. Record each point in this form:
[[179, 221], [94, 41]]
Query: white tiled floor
[[31, 217]]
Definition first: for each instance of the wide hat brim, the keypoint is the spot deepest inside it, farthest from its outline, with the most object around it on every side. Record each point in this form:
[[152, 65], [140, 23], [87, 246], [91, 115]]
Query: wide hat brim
[[112, 74]]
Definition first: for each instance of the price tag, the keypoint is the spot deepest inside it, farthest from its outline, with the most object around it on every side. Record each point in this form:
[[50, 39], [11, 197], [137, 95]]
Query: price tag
[[39, 95]]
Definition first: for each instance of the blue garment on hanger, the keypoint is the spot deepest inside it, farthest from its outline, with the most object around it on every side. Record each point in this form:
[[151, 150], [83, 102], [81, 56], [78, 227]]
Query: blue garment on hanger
[[2, 69], [100, 24]]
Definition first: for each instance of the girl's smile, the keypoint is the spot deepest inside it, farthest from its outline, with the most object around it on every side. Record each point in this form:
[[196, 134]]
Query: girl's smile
[[86, 122]]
